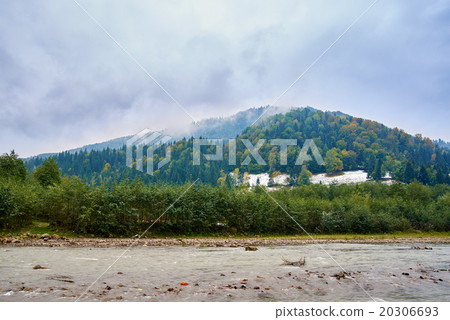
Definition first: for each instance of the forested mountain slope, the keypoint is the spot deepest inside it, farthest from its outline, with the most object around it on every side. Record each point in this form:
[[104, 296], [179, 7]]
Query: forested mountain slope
[[345, 142]]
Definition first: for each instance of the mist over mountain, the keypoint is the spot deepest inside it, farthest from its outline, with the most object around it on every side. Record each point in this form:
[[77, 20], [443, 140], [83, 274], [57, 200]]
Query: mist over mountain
[[220, 127], [232, 126]]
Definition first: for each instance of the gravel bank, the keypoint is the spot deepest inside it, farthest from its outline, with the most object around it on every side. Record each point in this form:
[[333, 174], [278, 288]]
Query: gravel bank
[[57, 241]]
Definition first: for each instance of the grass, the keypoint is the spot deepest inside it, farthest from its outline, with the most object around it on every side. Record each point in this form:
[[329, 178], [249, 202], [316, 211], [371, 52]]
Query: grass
[[38, 227], [41, 227]]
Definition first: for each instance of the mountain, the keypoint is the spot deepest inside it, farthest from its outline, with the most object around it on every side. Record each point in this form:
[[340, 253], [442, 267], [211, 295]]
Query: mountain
[[116, 143], [221, 127], [357, 143], [344, 141]]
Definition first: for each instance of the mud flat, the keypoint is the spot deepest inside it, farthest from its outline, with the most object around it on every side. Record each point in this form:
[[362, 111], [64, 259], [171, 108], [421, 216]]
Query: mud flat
[[164, 272]]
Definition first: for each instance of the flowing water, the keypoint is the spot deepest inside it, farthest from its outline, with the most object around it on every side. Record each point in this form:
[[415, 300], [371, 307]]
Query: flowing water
[[390, 272]]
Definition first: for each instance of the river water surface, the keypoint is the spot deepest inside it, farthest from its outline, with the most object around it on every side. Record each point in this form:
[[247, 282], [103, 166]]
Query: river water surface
[[389, 272]]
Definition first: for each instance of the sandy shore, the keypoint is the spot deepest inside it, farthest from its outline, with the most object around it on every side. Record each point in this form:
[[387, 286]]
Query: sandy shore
[[57, 241]]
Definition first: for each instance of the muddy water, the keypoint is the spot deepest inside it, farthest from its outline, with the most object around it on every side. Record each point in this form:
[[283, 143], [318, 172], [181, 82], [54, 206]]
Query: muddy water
[[390, 272]]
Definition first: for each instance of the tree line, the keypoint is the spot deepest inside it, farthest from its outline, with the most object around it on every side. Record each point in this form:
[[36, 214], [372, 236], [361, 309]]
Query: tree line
[[128, 207]]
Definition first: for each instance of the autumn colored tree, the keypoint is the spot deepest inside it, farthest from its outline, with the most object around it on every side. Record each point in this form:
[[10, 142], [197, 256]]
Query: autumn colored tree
[[332, 162], [304, 176]]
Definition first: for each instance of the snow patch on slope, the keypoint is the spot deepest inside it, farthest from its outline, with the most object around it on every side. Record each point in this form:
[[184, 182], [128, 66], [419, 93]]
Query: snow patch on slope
[[345, 177], [281, 179], [263, 179]]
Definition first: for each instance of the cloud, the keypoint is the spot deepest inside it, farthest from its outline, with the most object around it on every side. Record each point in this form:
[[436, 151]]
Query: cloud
[[64, 83]]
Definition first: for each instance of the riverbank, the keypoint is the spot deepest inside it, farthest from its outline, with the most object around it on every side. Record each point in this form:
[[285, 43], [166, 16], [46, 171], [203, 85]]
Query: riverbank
[[47, 240]]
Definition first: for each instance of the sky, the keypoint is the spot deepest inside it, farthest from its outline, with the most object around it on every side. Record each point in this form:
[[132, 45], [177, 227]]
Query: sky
[[65, 83]]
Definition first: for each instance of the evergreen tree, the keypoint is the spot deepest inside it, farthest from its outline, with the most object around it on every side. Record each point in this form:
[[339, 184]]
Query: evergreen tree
[[377, 172], [371, 164], [440, 177], [229, 182], [409, 174], [423, 176]]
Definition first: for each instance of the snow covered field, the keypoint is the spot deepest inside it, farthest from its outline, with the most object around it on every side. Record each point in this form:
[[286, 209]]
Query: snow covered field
[[346, 177], [283, 179], [263, 179]]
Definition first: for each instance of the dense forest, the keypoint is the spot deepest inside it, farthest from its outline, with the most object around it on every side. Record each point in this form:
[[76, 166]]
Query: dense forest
[[345, 142], [127, 208], [96, 193]]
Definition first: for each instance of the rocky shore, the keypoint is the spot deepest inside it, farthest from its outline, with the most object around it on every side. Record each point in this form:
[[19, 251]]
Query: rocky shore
[[47, 240], [397, 272]]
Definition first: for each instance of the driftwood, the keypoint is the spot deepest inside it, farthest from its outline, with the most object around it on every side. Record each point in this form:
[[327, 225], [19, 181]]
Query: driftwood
[[341, 275], [299, 263], [62, 278]]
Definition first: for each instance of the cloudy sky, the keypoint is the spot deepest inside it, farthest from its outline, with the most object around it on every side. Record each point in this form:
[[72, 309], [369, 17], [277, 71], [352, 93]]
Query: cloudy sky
[[64, 83]]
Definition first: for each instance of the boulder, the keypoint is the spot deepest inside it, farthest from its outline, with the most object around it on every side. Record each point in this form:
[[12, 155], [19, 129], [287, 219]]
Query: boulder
[[38, 266]]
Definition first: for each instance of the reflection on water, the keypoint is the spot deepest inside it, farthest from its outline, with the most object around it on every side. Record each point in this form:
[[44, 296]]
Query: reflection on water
[[391, 272]]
